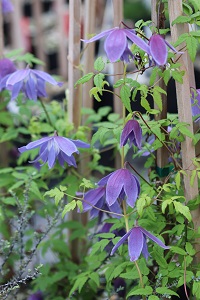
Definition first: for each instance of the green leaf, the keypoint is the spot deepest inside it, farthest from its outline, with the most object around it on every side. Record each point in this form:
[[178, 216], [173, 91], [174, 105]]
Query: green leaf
[[99, 246], [190, 249], [178, 250], [145, 104], [147, 290], [140, 204], [10, 134], [182, 209], [94, 92], [99, 64], [34, 189], [192, 45], [84, 79], [157, 98], [125, 97], [165, 203], [178, 180], [164, 290], [55, 193], [153, 76], [98, 80], [196, 288], [159, 258], [95, 277], [79, 283], [181, 20], [104, 111], [153, 298], [193, 176], [70, 206], [105, 235], [80, 205], [178, 75]]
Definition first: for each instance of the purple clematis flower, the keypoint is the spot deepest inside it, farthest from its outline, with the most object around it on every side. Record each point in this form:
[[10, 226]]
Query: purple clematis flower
[[7, 6], [55, 147], [119, 184], [7, 67], [116, 45], [132, 132], [137, 243], [36, 296], [195, 101], [158, 49], [31, 82], [96, 197]]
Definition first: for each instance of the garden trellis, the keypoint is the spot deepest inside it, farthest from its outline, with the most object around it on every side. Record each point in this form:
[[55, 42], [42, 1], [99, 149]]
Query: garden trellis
[[115, 231]]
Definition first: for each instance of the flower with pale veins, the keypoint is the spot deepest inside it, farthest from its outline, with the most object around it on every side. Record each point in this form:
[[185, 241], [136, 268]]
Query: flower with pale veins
[[137, 243], [30, 82], [132, 132], [7, 6], [120, 184], [116, 45], [158, 49], [96, 197], [55, 147]]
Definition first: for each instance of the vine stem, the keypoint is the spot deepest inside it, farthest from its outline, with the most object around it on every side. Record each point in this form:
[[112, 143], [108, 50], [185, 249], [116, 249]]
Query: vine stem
[[124, 202], [46, 113]]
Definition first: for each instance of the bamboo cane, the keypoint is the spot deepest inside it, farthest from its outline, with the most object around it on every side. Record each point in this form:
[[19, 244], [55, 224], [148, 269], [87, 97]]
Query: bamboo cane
[[185, 113], [118, 70], [157, 17]]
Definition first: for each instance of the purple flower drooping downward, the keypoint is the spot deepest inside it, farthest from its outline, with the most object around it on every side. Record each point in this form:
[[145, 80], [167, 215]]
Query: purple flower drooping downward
[[7, 67], [119, 184], [158, 49], [132, 132], [137, 242], [116, 45], [7, 6], [96, 197], [30, 82], [55, 147]]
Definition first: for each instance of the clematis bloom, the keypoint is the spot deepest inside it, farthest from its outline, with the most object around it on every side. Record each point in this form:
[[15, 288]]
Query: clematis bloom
[[30, 82], [158, 49], [96, 197], [132, 132], [137, 243], [195, 101], [7, 6], [116, 45], [119, 184], [55, 147], [7, 67], [36, 296]]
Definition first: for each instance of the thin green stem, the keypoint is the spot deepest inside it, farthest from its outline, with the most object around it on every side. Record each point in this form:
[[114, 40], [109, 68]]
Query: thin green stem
[[46, 113]]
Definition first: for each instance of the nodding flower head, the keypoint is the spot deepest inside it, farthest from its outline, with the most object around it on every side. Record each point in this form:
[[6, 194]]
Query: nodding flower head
[[137, 242], [158, 49], [116, 45], [7, 6], [55, 147], [121, 184], [96, 197], [132, 132], [30, 82]]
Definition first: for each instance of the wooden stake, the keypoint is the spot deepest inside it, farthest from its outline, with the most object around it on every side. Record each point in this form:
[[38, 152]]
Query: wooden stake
[[62, 39], [118, 69], [158, 19], [39, 36], [74, 104], [89, 27], [185, 112]]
